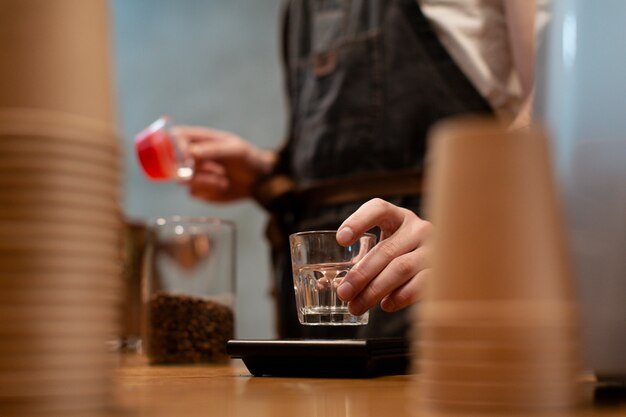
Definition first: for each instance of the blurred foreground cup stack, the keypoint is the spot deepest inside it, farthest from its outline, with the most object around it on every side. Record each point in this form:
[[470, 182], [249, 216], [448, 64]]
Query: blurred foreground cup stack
[[59, 208], [498, 325]]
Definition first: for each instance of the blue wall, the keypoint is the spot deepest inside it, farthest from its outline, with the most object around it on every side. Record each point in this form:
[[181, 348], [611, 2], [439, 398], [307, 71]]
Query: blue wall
[[213, 63]]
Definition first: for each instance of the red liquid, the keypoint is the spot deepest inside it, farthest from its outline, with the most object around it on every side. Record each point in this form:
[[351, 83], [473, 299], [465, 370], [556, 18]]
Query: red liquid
[[156, 155]]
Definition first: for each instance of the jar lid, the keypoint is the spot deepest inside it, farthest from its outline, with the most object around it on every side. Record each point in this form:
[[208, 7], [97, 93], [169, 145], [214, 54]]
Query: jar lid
[[155, 151]]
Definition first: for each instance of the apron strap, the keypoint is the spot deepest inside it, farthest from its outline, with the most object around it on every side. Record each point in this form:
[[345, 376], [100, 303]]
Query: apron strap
[[361, 187], [281, 193]]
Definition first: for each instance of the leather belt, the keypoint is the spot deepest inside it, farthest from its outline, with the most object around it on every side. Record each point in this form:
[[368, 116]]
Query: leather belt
[[280, 192]]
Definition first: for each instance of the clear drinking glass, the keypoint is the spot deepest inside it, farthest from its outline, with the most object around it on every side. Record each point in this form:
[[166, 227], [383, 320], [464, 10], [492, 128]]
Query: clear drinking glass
[[188, 290], [162, 155], [319, 265]]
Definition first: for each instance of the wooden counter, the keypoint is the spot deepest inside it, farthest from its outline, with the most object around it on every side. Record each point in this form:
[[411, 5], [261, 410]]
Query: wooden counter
[[229, 390]]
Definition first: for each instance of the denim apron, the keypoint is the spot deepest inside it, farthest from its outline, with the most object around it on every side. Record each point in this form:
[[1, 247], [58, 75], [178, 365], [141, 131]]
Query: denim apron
[[366, 79]]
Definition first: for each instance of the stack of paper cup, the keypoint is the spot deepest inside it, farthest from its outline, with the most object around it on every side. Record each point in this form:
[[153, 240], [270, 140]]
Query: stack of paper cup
[[59, 261], [498, 327], [60, 268]]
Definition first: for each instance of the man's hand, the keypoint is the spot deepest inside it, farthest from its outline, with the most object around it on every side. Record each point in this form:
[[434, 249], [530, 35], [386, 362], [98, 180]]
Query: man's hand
[[226, 166], [394, 271]]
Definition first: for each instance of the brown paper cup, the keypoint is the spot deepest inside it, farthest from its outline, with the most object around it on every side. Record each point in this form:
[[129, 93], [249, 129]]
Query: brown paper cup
[[500, 297], [498, 226]]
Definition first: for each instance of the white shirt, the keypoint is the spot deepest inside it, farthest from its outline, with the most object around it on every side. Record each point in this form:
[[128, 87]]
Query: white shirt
[[474, 32]]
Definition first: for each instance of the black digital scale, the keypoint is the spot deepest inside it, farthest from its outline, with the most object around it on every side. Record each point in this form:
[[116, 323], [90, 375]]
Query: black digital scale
[[342, 358]]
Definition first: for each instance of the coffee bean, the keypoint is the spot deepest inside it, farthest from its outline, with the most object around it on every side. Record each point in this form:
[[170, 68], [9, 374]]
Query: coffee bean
[[185, 329]]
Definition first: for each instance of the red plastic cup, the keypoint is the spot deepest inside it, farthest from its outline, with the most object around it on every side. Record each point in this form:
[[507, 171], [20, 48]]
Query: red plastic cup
[[162, 155]]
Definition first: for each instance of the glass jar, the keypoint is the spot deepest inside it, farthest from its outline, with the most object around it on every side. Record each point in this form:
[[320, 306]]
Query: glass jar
[[162, 155], [133, 244], [188, 290]]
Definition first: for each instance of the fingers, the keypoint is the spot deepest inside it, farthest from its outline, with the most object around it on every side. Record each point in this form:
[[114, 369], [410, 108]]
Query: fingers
[[208, 174], [198, 133], [393, 270], [204, 143], [375, 212], [210, 167], [389, 282], [215, 150], [406, 294], [408, 238], [209, 181], [210, 188]]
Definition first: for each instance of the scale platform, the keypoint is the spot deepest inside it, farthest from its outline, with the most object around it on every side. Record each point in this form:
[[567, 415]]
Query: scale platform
[[341, 358]]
